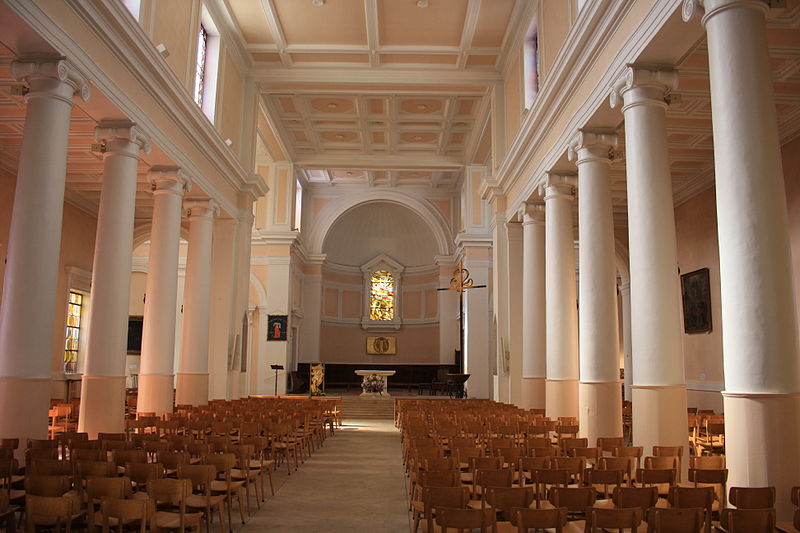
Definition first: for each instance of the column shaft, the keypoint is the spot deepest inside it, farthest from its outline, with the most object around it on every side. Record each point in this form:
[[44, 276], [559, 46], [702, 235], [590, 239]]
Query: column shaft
[[34, 241], [158, 335], [103, 384], [659, 387], [192, 381], [760, 338], [600, 398], [534, 346], [562, 314], [625, 296]]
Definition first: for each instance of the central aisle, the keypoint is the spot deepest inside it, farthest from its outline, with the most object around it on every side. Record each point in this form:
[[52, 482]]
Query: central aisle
[[355, 482]]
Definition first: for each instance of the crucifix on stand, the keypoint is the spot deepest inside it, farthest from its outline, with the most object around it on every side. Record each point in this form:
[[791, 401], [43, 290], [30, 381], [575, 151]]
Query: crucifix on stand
[[461, 282]]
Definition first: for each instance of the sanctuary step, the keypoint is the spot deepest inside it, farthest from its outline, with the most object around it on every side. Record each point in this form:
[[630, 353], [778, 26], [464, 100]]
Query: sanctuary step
[[375, 408]]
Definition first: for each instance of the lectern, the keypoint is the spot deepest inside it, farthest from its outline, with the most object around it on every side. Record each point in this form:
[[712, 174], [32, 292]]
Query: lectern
[[276, 368]]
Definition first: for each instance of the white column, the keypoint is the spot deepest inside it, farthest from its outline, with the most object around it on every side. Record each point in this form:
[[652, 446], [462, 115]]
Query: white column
[[760, 338], [192, 379], [244, 237], [31, 274], [500, 383], [534, 346], [561, 388], [625, 296], [659, 385], [599, 391], [223, 299], [514, 231], [447, 302], [312, 307], [103, 384], [158, 335], [477, 319]]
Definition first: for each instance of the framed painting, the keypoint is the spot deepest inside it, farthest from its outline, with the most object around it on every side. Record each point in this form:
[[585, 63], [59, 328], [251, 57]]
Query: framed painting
[[135, 324], [696, 294], [276, 327]]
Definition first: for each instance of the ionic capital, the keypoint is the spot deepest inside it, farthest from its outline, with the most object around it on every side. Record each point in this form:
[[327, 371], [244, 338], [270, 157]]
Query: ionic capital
[[643, 85], [31, 69], [592, 146], [560, 185], [708, 8], [169, 180], [532, 213], [122, 138], [201, 208]]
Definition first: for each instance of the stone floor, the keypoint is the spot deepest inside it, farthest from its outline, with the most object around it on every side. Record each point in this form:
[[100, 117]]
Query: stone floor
[[354, 483]]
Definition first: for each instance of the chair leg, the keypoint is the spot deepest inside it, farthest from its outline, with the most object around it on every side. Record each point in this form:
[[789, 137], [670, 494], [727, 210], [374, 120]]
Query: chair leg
[[241, 511], [271, 486]]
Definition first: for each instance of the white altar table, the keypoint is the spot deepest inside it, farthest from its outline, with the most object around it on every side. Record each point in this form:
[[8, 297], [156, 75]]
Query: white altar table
[[383, 375]]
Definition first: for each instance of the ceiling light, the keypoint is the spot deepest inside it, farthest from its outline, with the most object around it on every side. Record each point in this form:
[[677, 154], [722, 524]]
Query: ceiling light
[[317, 3], [422, 3], [417, 137], [422, 106], [339, 136], [331, 105], [349, 173]]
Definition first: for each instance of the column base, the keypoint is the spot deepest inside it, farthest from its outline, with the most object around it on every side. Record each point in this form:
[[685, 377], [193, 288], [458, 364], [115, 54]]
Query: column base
[[561, 398], [102, 405], [155, 393], [660, 419], [762, 435], [532, 393], [191, 389], [600, 410], [24, 403]]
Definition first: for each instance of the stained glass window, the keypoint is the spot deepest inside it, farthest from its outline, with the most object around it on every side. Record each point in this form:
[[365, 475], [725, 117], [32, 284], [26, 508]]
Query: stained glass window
[[381, 297], [72, 340], [200, 70]]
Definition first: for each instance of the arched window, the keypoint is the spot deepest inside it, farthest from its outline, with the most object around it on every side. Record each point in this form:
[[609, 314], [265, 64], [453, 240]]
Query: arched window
[[381, 296]]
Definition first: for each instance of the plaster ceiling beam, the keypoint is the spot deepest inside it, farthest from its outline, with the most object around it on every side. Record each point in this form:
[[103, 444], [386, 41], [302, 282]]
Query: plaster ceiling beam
[[380, 161], [403, 76], [470, 23], [373, 39], [275, 29]]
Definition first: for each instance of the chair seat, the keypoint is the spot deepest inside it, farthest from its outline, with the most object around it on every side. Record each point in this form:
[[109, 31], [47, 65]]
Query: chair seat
[[168, 520], [786, 527], [237, 474], [222, 486], [200, 501]]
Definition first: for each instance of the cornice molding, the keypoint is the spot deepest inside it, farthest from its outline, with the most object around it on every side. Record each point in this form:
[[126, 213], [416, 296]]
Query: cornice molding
[[129, 45]]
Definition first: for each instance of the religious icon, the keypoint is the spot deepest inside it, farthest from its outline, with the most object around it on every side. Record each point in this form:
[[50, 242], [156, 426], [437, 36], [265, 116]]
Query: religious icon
[[381, 345], [695, 288], [276, 327]]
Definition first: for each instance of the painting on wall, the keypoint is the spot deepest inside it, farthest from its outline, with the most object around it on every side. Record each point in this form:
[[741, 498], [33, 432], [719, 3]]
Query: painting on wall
[[135, 324], [276, 327], [696, 292], [382, 345]]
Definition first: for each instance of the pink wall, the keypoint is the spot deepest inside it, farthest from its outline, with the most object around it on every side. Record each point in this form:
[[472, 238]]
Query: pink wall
[[695, 222], [348, 344]]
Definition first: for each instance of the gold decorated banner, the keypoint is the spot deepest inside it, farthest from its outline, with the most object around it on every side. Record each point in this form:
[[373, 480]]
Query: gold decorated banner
[[381, 345], [317, 379]]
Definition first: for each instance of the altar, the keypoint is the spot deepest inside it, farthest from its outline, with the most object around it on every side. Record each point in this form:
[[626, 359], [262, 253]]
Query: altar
[[374, 382]]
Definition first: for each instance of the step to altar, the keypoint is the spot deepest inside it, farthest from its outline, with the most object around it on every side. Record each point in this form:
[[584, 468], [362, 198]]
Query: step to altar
[[368, 407]]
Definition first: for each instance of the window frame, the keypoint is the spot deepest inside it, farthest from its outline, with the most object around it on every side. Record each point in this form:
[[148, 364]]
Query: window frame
[[382, 262]]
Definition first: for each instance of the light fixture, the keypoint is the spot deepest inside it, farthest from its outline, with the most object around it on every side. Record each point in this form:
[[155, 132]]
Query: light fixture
[[331, 105], [422, 3], [417, 137], [339, 136], [228, 142], [422, 106], [317, 3], [162, 49]]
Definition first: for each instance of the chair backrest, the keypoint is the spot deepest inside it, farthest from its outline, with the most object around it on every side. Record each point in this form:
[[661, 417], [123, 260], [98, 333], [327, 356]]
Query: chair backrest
[[98, 488], [50, 467], [141, 473], [688, 497], [452, 518], [605, 478], [47, 485], [549, 451], [662, 462], [675, 520], [171, 459], [500, 477], [526, 518], [707, 462], [168, 490], [201, 476], [654, 476], [529, 464], [617, 463], [752, 497], [87, 454], [50, 510], [485, 463], [120, 457], [575, 465], [628, 497], [574, 499], [440, 478], [748, 520], [126, 511], [607, 444], [598, 519], [505, 499]]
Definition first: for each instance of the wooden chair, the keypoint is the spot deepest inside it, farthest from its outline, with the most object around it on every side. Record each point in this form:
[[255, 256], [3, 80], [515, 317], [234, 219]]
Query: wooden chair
[[670, 451], [460, 519], [574, 499], [50, 467], [505, 499], [544, 479], [142, 473], [201, 477], [717, 479], [629, 497], [173, 492], [7, 512], [52, 511], [603, 480], [125, 514], [674, 520], [501, 477], [526, 466], [694, 497], [575, 466], [224, 484], [433, 497], [171, 460], [260, 461], [660, 478], [608, 444], [618, 463], [47, 485], [99, 488], [244, 471], [748, 520], [621, 519], [539, 519]]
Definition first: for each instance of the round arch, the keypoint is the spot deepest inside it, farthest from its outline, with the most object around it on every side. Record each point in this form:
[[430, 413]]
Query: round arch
[[338, 207], [142, 233], [260, 290]]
